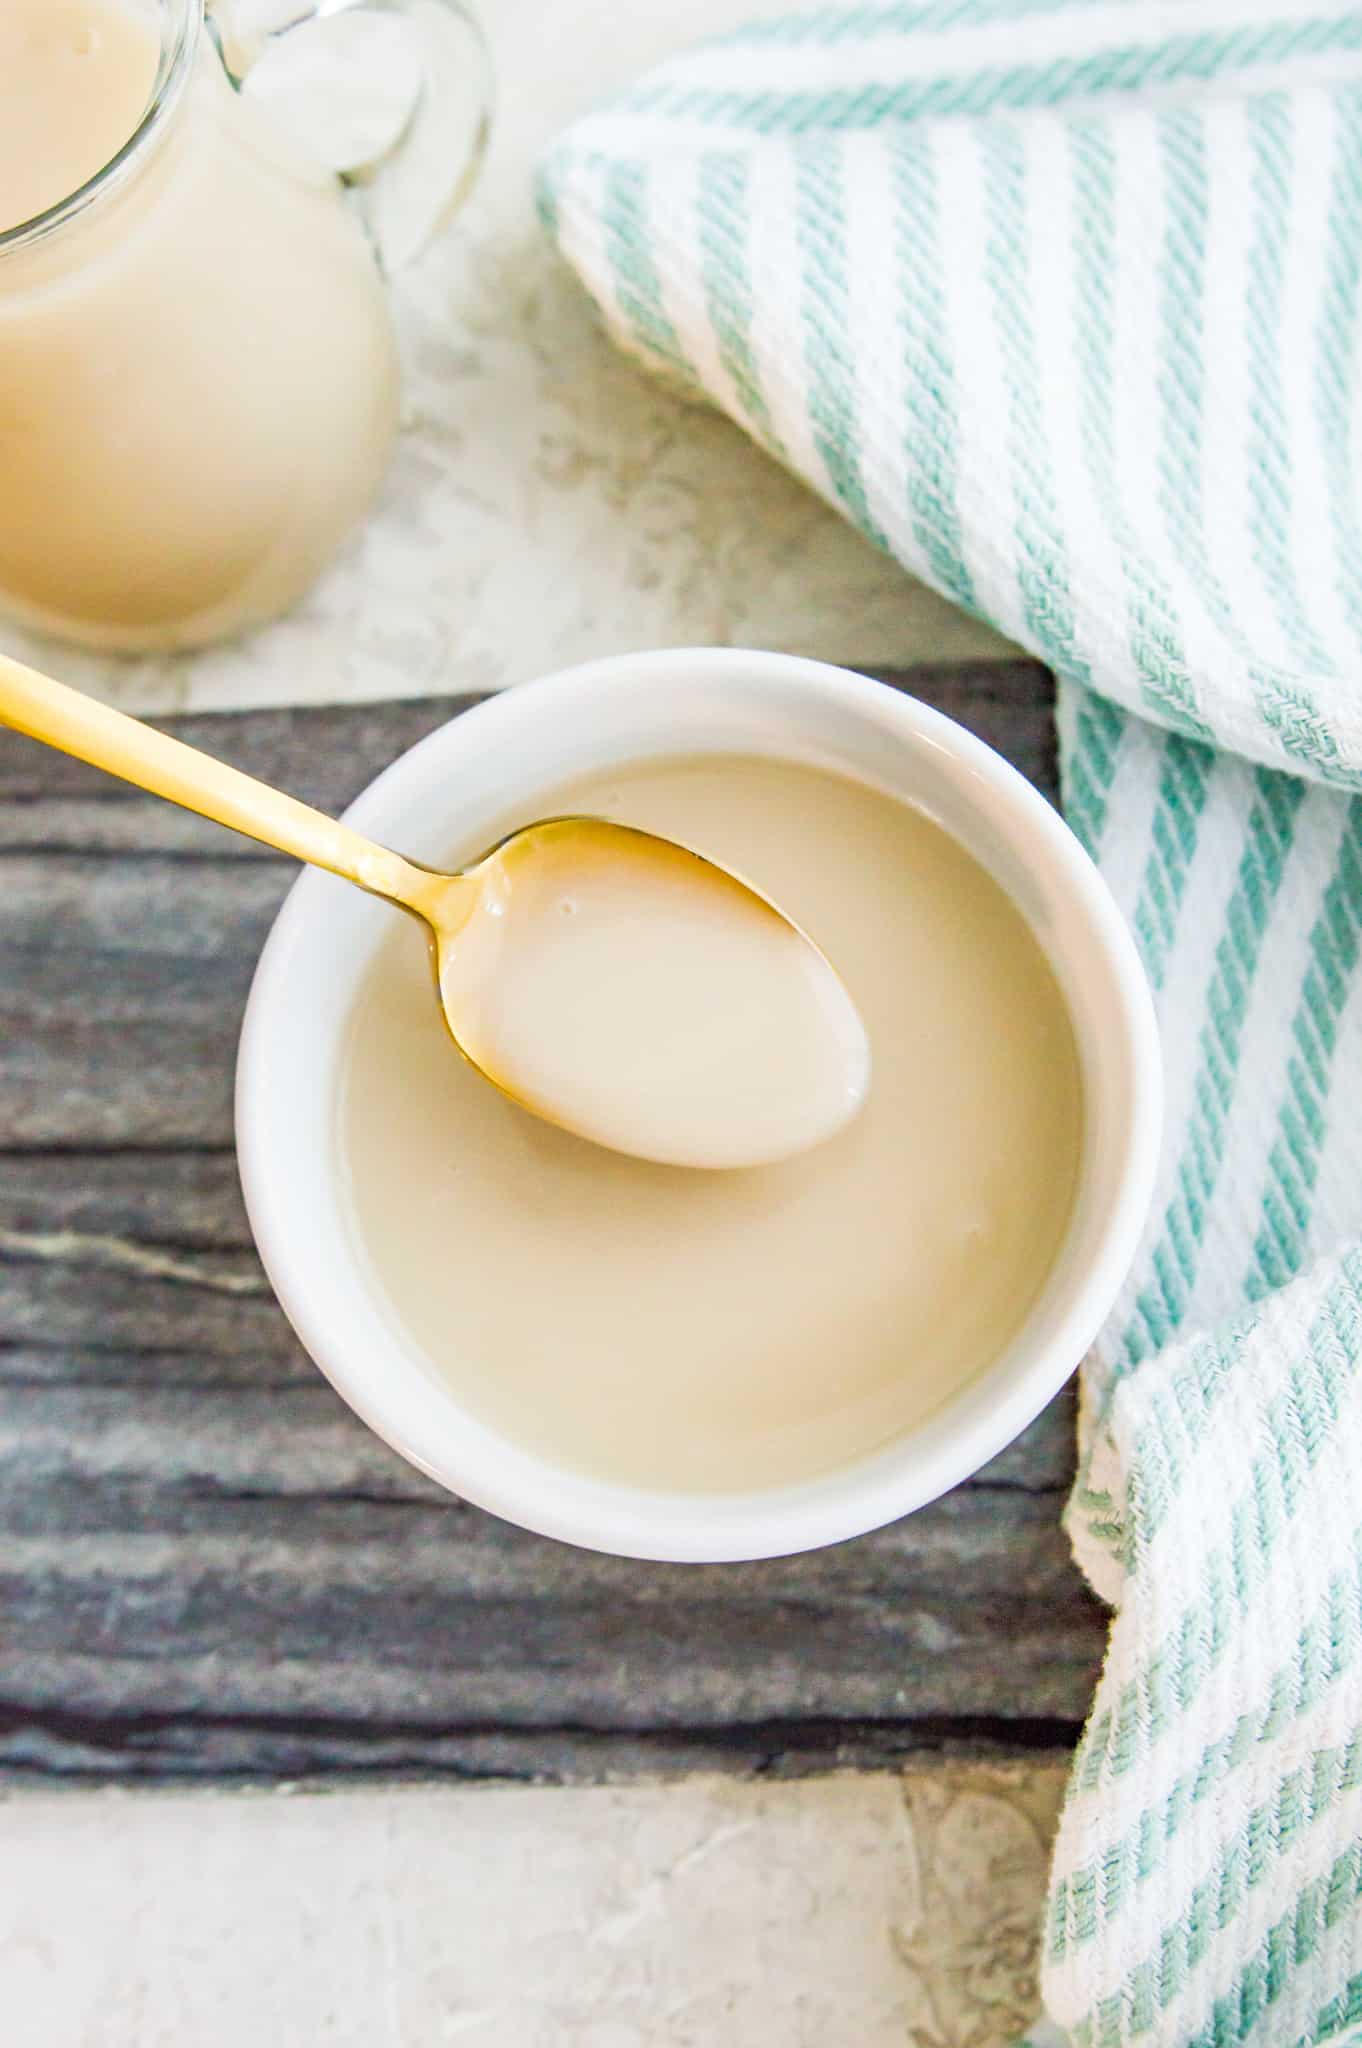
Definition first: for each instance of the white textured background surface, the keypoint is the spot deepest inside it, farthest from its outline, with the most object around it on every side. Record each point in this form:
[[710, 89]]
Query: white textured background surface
[[870, 1912], [548, 503]]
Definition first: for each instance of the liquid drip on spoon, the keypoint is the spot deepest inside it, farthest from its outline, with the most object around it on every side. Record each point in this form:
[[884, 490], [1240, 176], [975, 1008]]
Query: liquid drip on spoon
[[621, 986]]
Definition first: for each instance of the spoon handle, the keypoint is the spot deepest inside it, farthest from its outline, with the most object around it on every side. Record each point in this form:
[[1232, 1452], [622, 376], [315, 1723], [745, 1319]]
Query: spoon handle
[[76, 724]]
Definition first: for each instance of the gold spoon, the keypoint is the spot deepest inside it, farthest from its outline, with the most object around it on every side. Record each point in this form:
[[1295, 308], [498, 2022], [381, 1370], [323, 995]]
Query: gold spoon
[[610, 981]]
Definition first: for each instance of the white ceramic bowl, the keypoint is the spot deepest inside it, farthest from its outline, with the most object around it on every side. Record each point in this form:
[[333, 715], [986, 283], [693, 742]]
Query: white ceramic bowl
[[507, 753]]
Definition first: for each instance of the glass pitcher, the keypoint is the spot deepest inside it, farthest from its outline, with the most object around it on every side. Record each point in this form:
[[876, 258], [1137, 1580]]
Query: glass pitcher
[[198, 374]]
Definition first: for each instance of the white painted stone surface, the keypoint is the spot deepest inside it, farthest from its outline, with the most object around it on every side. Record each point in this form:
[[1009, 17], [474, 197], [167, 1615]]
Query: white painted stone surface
[[854, 1912], [549, 502]]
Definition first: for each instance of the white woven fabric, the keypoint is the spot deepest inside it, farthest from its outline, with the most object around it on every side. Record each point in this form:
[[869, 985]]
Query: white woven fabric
[[1061, 302]]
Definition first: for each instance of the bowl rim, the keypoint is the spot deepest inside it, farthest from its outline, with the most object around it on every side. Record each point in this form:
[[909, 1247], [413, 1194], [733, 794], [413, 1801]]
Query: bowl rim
[[430, 1428]]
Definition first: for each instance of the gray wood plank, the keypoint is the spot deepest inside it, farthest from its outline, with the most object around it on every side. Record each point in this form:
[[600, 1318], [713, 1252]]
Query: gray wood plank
[[209, 1567]]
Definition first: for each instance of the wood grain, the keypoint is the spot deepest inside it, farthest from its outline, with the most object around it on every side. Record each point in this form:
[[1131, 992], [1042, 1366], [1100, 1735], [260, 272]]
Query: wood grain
[[208, 1567]]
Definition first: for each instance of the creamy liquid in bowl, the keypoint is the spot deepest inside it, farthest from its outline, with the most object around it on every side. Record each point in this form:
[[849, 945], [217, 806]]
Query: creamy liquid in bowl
[[711, 1331]]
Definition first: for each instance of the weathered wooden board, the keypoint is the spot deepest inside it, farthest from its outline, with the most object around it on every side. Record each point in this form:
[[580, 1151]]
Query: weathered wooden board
[[208, 1566]]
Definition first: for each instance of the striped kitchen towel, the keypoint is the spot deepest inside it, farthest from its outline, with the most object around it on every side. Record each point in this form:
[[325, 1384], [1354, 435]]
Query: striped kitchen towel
[[1061, 302]]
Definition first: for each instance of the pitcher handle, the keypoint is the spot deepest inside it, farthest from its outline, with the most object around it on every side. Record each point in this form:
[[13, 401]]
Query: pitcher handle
[[394, 96]]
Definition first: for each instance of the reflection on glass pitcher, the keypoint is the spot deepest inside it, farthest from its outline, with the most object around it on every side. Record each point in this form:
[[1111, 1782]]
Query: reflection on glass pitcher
[[198, 375]]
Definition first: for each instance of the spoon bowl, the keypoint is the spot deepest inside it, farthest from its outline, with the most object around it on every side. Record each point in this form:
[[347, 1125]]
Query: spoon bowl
[[624, 987]]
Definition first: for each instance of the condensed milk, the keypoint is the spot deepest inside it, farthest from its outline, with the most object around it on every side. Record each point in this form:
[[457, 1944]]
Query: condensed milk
[[710, 1331], [198, 374], [614, 983]]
